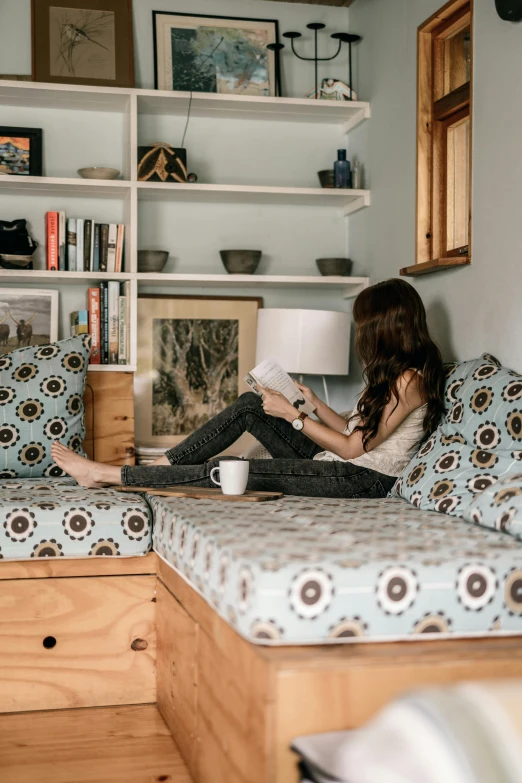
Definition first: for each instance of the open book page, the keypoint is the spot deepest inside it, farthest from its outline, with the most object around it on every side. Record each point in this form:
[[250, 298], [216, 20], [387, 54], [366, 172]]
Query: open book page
[[271, 375]]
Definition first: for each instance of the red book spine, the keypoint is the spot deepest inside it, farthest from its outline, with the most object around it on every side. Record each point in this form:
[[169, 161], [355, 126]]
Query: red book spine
[[94, 324], [51, 225]]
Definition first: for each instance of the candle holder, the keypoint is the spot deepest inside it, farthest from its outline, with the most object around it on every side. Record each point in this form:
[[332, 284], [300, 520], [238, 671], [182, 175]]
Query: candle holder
[[348, 38]]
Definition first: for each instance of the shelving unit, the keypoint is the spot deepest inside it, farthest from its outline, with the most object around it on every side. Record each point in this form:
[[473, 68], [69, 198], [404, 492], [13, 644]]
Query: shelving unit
[[133, 195]]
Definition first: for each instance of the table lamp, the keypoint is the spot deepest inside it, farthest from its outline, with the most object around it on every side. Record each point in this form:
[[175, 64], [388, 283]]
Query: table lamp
[[305, 342]]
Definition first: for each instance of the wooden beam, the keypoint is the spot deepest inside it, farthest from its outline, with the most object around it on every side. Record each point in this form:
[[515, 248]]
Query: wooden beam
[[438, 265]]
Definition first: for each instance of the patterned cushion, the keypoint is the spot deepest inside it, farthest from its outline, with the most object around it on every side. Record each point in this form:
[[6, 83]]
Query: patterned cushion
[[41, 399], [479, 441], [499, 506], [310, 571], [58, 518]]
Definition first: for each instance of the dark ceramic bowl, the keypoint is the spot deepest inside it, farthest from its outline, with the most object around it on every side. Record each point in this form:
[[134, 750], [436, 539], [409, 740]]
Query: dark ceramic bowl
[[326, 178], [334, 266], [152, 260], [240, 262]]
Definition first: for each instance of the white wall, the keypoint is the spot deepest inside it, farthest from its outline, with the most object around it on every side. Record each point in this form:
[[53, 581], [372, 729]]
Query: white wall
[[472, 309]]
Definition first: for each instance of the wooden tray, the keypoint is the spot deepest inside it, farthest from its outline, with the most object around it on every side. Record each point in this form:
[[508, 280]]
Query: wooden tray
[[202, 493]]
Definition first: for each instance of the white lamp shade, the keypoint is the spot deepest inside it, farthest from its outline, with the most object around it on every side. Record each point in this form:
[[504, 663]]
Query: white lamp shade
[[305, 342]]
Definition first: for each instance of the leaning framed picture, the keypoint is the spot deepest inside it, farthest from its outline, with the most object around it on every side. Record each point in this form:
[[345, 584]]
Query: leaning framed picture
[[28, 316], [83, 42], [193, 353], [222, 54], [21, 151]]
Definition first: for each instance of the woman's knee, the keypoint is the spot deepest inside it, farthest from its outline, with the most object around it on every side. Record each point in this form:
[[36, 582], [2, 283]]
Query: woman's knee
[[249, 400]]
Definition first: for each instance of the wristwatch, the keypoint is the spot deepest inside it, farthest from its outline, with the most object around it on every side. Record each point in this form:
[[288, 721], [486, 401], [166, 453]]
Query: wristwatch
[[298, 423]]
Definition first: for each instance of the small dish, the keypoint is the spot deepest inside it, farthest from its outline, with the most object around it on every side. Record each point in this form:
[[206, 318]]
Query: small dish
[[326, 178], [98, 172], [240, 262], [341, 267], [152, 260]]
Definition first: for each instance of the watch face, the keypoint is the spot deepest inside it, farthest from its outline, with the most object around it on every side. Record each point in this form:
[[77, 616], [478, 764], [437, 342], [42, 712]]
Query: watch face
[[297, 424]]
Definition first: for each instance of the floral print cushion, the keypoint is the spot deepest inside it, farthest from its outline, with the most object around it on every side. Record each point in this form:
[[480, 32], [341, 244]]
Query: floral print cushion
[[58, 518], [315, 571], [41, 400], [499, 506], [479, 441]]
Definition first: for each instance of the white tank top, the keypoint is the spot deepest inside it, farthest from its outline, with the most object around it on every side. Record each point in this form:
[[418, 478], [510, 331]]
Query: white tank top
[[391, 456]]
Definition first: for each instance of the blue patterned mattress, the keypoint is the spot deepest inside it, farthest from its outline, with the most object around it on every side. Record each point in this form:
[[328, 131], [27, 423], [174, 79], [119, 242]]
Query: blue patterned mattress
[[57, 518], [312, 571]]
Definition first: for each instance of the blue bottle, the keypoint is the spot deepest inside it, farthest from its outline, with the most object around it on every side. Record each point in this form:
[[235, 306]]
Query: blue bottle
[[342, 173]]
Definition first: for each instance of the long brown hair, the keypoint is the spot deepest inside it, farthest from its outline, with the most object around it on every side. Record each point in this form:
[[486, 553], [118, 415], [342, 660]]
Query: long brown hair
[[392, 337]]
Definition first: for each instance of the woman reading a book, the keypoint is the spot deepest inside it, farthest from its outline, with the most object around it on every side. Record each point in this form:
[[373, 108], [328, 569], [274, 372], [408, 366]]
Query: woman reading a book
[[325, 456]]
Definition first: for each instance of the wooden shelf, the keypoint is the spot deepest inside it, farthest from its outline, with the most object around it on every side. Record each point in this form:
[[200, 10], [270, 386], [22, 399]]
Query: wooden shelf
[[427, 267], [100, 188], [348, 200], [69, 278], [112, 368], [347, 114]]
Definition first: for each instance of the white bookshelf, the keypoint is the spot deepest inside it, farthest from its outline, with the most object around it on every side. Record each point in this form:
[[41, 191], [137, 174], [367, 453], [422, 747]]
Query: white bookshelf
[[126, 197]]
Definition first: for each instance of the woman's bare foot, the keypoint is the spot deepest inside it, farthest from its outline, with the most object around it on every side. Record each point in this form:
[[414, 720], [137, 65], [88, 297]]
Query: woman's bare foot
[[84, 471]]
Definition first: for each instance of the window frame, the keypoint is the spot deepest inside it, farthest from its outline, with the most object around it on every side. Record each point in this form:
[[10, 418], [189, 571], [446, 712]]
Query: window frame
[[434, 115]]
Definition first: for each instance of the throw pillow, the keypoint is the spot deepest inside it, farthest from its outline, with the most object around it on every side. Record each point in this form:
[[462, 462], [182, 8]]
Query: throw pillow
[[499, 506], [41, 400], [478, 442]]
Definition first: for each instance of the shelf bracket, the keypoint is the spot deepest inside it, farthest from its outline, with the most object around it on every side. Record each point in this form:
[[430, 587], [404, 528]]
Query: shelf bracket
[[356, 119], [354, 290], [357, 203]]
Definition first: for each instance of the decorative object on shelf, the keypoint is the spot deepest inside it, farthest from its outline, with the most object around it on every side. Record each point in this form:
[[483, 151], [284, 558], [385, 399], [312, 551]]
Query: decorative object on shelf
[[160, 162], [342, 172], [28, 317], [334, 266], [203, 53], [99, 172], [192, 178], [73, 43], [305, 342], [240, 262], [193, 353], [326, 178], [356, 175], [333, 90], [509, 10], [349, 38], [152, 260], [21, 151], [16, 245]]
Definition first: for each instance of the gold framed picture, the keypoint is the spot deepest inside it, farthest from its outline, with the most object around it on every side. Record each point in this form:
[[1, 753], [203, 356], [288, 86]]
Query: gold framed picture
[[193, 353], [83, 42]]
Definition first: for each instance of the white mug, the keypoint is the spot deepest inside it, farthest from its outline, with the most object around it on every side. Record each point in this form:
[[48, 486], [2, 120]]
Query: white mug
[[233, 476]]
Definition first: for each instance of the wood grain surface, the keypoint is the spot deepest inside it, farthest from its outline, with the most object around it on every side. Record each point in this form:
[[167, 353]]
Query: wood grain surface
[[203, 493], [109, 417], [44, 568]]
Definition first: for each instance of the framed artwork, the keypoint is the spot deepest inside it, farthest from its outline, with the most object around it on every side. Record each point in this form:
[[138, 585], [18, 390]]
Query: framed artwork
[[220, 54], [193, 353], [83, 42], [21, 151], [27, 317]]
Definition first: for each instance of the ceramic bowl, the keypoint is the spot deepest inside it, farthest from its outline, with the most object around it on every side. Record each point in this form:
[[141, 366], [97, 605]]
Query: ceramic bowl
[[152, 260], [98, 172], [334, 266], [326, 178], [240, 262]]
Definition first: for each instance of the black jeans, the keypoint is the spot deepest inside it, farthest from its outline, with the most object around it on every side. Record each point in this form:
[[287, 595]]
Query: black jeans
[[292, 469]]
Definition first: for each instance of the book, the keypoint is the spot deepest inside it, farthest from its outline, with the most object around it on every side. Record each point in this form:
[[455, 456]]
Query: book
[[93, 301], [111, 250], [122, 326], [87, 245], [71, 244], [125, 290], [104, 323], [104, 246], [79, 322], [79, 245], [271, 375], [51, 232], [114, 320], [96, 249], [119, 247], [62, 241]]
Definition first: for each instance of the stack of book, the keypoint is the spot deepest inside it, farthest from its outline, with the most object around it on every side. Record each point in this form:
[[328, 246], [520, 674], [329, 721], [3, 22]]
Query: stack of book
[[81, 245], [107, 320]]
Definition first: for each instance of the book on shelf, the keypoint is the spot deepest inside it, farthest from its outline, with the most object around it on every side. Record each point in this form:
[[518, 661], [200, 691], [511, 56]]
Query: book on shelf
[[114, 320], [87, 245], [80, 240], [96, 248], [62, 241], [71, 244], [271, 375], [107, 320], [104, 320], [51, 233], [104, 246], [79, 322], [93, 307], [111, 251], [119, 247]]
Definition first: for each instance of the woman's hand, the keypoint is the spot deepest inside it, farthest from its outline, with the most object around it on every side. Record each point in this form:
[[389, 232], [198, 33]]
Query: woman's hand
[[275, 404], [309, 394]]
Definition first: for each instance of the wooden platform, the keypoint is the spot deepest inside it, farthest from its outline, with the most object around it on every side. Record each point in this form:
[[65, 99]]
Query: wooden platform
[[103, 745]]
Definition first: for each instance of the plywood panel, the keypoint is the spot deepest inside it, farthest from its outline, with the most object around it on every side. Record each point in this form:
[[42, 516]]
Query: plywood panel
[[109, 745], [86, 566], [95, 661], [177, 640], [109, 417]]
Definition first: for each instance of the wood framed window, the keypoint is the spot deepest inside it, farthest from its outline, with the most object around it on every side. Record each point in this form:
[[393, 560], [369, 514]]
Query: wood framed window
[[444, 74]]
